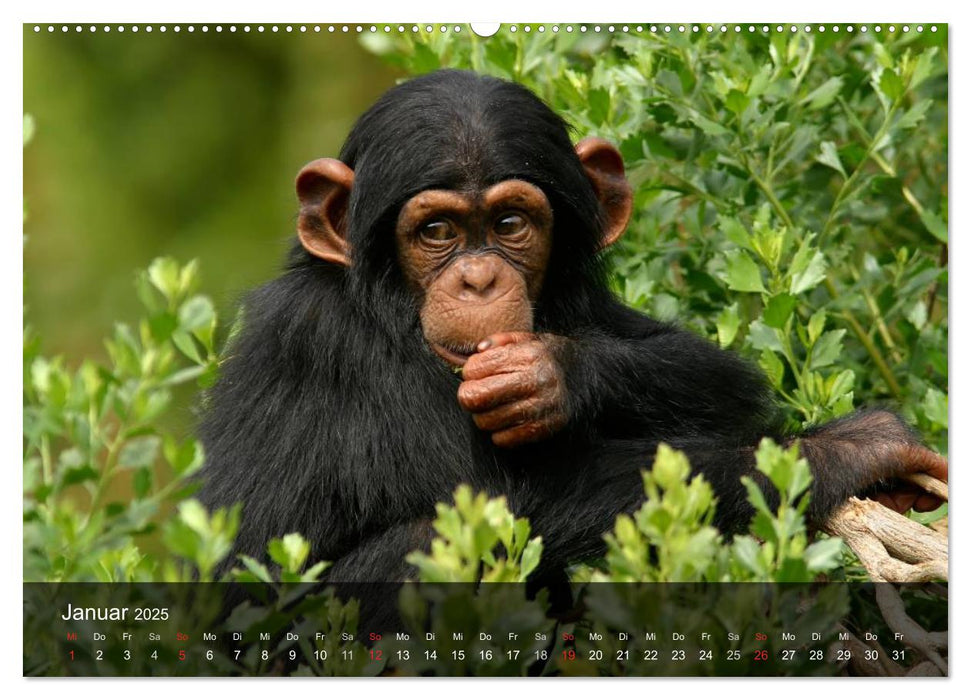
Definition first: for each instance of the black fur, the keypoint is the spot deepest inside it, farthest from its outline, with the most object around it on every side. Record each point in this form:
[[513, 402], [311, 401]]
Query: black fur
[[334, 419]]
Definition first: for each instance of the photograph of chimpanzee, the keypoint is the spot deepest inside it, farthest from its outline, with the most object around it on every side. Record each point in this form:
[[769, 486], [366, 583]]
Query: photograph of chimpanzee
[[564, 304]]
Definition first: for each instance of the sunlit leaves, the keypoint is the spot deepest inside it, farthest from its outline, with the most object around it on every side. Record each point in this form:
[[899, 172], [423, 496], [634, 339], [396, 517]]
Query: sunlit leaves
[[96, 429]]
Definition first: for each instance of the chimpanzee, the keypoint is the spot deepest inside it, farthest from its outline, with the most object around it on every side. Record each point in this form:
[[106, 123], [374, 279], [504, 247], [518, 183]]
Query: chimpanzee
[[444, 318]]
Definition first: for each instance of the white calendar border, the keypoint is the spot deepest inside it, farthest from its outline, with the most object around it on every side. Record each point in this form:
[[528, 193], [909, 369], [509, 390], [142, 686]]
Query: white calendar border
[[819, 11]]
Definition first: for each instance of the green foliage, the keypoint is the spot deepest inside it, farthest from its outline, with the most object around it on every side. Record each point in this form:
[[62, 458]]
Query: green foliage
[[98, 470], [670, 538], [468, 536], [790, 191]]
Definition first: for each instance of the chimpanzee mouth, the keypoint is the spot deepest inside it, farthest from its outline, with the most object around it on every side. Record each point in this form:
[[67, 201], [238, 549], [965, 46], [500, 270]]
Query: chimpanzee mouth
[[455, 355]]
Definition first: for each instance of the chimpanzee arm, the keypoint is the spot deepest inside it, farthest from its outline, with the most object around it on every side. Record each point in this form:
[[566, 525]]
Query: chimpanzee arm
[[652, 381], [644, 378]]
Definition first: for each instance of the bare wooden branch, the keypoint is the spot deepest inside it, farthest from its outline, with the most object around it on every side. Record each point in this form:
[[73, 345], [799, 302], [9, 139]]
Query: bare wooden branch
[[890, 546], [896, 549]]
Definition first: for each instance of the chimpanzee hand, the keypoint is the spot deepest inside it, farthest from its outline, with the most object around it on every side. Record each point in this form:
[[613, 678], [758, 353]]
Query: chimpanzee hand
[[872, 453], [904, 495], [514, 388]]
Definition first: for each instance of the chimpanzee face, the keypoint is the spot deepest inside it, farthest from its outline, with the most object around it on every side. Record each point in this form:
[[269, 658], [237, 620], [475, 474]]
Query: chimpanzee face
[[476, 260]]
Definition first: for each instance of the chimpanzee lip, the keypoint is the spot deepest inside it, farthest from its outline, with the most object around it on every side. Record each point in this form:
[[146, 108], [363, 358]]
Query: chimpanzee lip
[[453, 355]]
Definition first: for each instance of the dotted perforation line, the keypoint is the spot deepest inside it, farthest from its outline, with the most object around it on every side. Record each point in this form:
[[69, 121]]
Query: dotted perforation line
[[512, 28]]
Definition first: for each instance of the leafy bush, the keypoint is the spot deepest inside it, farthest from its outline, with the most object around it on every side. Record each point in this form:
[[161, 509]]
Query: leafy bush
[[92, 432]]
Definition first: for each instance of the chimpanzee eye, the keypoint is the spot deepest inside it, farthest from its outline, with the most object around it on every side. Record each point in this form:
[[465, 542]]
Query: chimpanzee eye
[[509, 225], [437, 230]]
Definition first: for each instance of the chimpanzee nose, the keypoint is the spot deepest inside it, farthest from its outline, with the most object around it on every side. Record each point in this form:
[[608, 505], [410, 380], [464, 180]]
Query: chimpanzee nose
[[478, 278]]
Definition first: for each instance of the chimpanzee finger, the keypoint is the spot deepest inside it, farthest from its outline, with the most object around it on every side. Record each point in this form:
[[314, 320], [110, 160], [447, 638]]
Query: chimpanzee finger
[[505, 338], [481, 395], [509, 415], [502, 359], [897, 501], [921, 459], [522, 434], [926, 502]]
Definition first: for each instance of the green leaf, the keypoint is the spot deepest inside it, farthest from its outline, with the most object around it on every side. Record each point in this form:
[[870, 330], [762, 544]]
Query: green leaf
[[708, 126], [142, 482], [934, 406], [184, 342], [258, 570], [917, 314], [824, 94], [746, 550], [817, 322], [737, 101], [734, 231], [194, 514], [934, 224], [290, 552], [823, 555], [599, 101], [762, 337], [891, 85], [772, 366], [531, 556], [140, 452], [78, 475], [778, 310], [829, 157], [727, 324], [924, 67], [196, 312], [808, 269], [839, 385], [915, 115], [164, 274], [742, 274], [501, 54], [827, 349]]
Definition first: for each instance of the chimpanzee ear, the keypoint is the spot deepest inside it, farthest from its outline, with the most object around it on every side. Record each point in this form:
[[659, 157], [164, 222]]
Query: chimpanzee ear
[[605, 169], [324, 188]]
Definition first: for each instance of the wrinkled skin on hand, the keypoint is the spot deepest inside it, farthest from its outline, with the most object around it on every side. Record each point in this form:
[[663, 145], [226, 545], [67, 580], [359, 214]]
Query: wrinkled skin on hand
[[514, 388]]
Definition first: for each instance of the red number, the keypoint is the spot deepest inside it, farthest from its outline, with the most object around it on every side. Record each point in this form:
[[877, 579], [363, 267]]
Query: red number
[[761, 655], [181, 654], [569, 655], [72, 654], [375, 654]]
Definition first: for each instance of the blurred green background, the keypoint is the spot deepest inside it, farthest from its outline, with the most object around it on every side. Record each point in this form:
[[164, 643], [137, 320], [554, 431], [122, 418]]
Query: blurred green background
[[171, 144]]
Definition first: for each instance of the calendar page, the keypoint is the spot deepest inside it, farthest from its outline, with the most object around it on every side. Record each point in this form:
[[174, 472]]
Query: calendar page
[[563, 349]]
